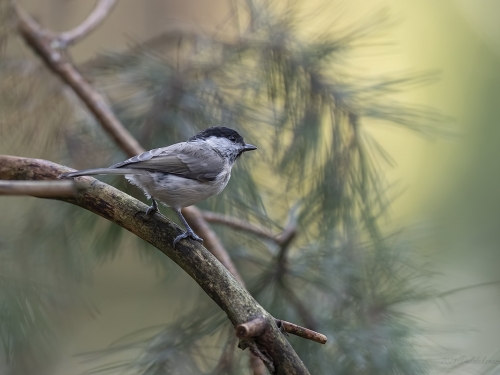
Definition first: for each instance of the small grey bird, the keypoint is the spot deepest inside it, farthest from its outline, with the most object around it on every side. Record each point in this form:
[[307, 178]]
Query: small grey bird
[[184, 173]]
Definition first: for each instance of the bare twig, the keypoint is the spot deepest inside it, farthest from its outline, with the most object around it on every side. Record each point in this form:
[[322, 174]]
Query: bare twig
[[283, 239], [98, 14], [250, 329], [235, 223], [43, 189], [305, 333]]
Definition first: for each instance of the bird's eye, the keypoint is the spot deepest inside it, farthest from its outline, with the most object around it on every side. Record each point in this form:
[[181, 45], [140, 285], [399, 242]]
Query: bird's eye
[[232, 138]]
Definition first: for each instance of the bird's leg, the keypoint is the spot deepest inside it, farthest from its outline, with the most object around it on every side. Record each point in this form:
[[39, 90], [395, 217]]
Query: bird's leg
[[188, 233], [153, 209]]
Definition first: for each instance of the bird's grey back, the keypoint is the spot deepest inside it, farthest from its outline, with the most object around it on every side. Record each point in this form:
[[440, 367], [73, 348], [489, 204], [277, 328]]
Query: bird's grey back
[[191, 160]]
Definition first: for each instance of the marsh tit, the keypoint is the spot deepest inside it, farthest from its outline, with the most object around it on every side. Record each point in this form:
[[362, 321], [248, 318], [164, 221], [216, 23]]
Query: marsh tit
[[184, 173]]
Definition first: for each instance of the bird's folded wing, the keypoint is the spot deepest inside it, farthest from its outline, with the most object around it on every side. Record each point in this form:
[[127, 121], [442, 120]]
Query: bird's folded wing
[[182, 159]]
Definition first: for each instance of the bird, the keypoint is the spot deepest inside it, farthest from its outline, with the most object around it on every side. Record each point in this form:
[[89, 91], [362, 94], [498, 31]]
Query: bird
[[181, 174]]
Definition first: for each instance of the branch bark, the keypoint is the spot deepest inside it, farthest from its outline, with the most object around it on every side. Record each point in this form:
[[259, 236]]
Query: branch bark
[[192, 257]]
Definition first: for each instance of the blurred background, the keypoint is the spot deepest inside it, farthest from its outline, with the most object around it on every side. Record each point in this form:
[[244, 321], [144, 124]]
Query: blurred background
[[443, 184]]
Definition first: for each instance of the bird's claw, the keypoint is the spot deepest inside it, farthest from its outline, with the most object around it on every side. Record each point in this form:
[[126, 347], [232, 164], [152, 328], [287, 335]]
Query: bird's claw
[[186, 235], [151, 210]]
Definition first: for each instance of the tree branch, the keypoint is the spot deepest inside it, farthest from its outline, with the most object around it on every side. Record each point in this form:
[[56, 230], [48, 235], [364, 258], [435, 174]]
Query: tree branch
[[98, 14], [192, 257], [39, 188], [42, 41], [238, 224], [283, 239]]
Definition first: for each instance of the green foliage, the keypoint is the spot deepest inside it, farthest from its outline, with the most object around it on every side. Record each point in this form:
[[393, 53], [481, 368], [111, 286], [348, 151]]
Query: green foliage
[[292, 96]]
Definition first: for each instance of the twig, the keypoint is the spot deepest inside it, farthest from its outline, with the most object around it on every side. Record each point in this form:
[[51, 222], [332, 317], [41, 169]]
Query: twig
[[43, 189], [193, 258], [98, 14], [305, 333], [250, 329], [283, 239], [235, 223]]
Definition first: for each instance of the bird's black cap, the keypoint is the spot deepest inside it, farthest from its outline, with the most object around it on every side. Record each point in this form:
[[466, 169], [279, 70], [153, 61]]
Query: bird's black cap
[[221, 132]]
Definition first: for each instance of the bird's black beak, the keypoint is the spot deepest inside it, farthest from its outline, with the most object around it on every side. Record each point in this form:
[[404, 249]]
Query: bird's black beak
[[249, 147]]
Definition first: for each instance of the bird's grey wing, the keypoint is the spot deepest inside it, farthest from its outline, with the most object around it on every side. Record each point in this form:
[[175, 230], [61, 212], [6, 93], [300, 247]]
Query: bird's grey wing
[[182, 159]]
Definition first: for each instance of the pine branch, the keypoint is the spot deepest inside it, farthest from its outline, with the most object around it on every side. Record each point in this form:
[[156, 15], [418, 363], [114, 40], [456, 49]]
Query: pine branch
[[44, 43], [192, 257]]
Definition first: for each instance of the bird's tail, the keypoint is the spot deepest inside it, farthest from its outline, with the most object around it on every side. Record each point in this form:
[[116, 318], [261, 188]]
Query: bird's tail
[[96, 171]]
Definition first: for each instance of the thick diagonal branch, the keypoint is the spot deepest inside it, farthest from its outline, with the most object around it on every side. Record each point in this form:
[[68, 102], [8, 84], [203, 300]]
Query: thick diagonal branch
[[192, 257]]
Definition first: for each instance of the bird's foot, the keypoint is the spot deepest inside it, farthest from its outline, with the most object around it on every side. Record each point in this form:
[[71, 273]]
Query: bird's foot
[[153, 209], [187, 234]]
